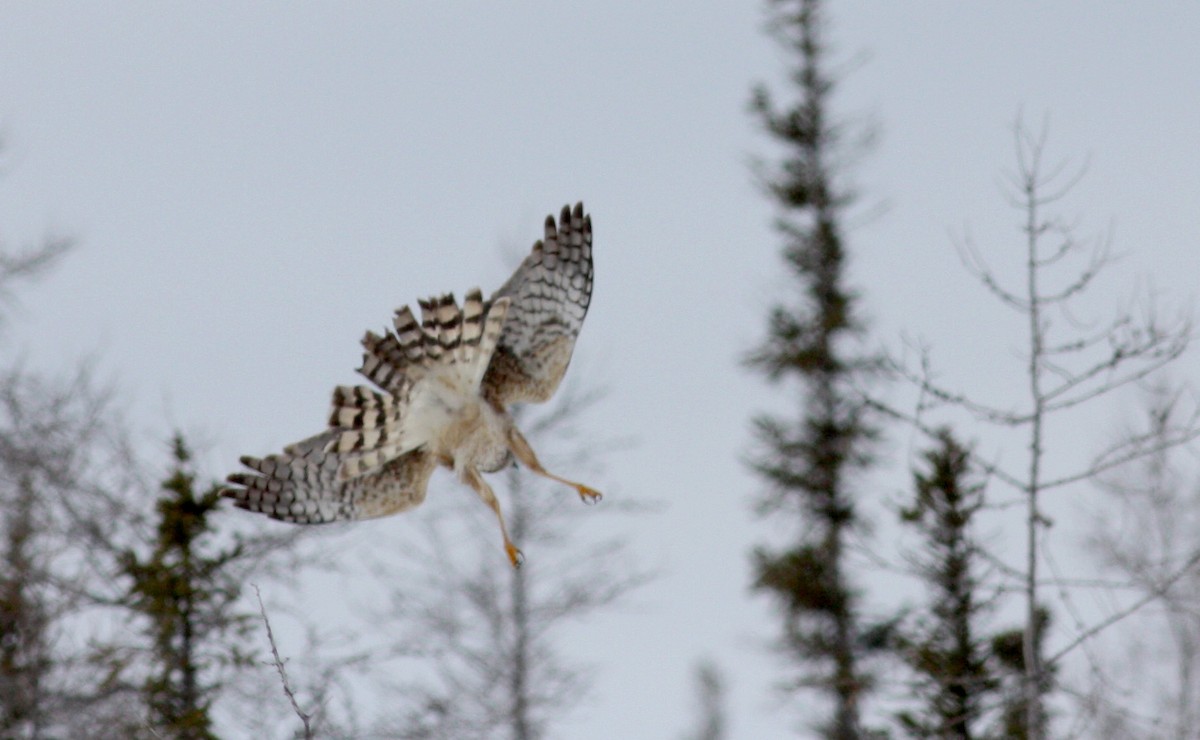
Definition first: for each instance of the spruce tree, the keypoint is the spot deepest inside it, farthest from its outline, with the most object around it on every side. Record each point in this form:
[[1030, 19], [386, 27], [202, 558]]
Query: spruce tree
[[187, 595], [25, 619], [955, 681], [808, 461], [1010, 650]]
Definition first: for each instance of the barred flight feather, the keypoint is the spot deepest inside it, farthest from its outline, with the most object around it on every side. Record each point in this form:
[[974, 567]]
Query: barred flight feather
[[440, 388]]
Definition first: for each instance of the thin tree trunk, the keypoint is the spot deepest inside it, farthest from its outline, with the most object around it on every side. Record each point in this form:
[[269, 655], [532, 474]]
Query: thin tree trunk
[[1033, 668], [187, 663], [519, 687], [520, 677]]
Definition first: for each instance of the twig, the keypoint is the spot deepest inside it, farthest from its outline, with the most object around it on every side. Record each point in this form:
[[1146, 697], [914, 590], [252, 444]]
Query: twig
[[1157, 593], [278, 663]]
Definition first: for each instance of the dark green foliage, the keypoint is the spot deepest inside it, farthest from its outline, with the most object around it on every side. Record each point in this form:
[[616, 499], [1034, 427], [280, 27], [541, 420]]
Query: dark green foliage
[[808, 462], [1009, 650], [25, 618], [184, 590], [955, 681]]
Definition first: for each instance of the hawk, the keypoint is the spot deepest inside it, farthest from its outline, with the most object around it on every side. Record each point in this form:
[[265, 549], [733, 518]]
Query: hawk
[[440, 394]]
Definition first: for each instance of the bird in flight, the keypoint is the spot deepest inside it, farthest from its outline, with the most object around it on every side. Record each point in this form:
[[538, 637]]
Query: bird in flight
[[440, 394]]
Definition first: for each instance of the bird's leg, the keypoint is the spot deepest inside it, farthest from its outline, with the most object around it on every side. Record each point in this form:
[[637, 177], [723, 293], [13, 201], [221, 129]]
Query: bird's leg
[[472, 478], [520, 447]]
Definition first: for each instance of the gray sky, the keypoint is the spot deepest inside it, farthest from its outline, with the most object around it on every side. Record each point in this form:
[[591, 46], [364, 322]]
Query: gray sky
[[254, 184]]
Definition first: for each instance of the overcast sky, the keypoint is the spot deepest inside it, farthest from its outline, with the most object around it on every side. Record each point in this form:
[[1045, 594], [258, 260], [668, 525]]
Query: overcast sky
[[254, 184]]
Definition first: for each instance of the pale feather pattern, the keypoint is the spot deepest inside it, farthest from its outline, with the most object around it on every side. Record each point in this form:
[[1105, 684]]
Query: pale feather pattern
[[439, 393], [301, 485], [371, 429], [550, 293]]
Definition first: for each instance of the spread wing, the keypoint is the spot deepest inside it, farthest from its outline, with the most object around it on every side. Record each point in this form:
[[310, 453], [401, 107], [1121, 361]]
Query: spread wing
[[301, 485], [372, 460], [549, 294]]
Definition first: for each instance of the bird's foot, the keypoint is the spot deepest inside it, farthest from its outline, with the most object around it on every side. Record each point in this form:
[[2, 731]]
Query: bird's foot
[[589, 495], [515, 556]]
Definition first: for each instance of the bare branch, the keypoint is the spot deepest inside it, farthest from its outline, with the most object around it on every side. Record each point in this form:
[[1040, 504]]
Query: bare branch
[[1157, 593], [278, 662], [972, 260], [1156, 352], [1129, 451], [1059, 376], [29, 264], [930, 389]]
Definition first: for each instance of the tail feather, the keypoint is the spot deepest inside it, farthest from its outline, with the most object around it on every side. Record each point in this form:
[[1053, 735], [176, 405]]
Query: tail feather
[[432, 327], [493, 326], [368, 428], [396, 360], [472, 324], [449, 319]]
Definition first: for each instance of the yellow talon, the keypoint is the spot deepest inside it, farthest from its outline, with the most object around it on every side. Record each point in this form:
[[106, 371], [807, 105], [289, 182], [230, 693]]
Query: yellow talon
[[515, 556], [589, 495]]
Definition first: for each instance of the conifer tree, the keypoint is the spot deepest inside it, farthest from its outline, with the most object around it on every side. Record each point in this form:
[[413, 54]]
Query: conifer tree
[[1019, 719], [186, 593], [61, 443], [809, 461], [1071, 363], [25, 618], [951, 661]]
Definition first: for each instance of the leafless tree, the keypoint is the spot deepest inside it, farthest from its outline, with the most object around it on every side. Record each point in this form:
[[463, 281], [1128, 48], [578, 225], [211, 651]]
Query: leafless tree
[[710, 704], [480, 634], [1068, 365], [64, 474], [68, 490], [302, 687], [21, 265], [74, 495], [306, 718], [1148, 540]]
